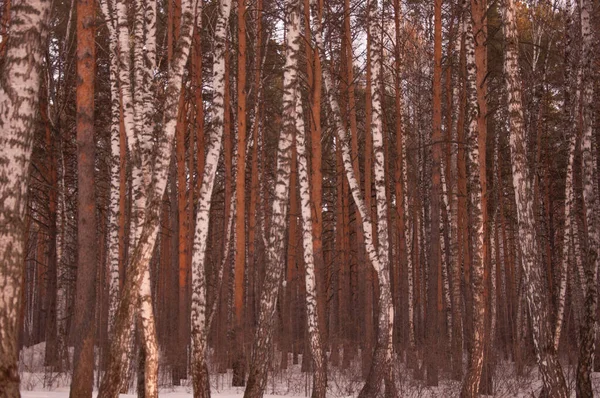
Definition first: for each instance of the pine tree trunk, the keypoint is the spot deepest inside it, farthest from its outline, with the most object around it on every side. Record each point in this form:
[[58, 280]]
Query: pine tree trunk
[[432, 330], [85, 290]]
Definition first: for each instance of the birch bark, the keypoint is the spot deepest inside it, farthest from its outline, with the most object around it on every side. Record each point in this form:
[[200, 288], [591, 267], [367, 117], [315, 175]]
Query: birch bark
[[199, 331], [471, 382], [19, 89], [550, 368], [260, 361], [381, 364], [314, 332], [136, 290], [591, 259]]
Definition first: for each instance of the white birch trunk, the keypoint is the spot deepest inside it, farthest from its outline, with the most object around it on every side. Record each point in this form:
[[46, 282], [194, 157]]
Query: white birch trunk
[[475, 364], [260, 361], [316, 346], [569, 192], [199, 328], [142, 253], [386, 317], [550, 368], [19, 89], [590, 199]]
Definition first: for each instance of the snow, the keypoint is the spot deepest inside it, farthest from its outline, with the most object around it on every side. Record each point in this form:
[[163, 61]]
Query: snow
[[292, 383]]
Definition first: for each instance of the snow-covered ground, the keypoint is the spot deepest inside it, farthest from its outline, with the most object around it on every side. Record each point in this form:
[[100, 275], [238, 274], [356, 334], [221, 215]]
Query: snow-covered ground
[[292, 383]]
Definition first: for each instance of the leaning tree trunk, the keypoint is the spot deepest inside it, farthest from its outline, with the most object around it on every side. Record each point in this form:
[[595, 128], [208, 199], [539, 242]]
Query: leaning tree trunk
[[19, 90], [142, 253], [538, 304], [590, 199], [199, 321], [381, 365], [312, 303], [261, 349]]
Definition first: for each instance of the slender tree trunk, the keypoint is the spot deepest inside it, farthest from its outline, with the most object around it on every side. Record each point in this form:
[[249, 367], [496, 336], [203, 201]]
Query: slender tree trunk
[[19, 95], [432, 331], [260, 361], [383, 355], [85, 320], [199, 318], [569, 212], [239, 361], [315, 335], [592, 210], [536, 294], [471, 382]]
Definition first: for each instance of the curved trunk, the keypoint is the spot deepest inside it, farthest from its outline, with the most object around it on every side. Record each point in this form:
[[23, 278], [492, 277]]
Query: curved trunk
[[536, 294], [199, 317]]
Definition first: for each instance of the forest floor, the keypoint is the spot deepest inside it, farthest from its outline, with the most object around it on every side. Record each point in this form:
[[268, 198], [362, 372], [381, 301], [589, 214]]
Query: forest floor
[[293, 383]]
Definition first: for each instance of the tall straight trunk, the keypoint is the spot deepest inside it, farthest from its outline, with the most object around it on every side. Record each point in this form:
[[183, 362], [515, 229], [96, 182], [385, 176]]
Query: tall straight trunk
[[550, 368], [401, 193], [52, 354], [351, 116], [199, 321], [590, 199], [85, 290], [315, 335], [459, 208], [199, 114], [240, 221], [289, 294], [180, 368], [260, 361], [432, 331], [19, 95], [118, 182], [569, 212], [254, 184], [471, 382], [315, 86], [368, 181]]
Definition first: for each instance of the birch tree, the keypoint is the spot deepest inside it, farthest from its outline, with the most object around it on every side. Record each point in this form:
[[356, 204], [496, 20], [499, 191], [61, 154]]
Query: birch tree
[[471, 382], [312, 302], [381, 365], [259, 364], [136, 289], [199, 321], [19, 96], [550, 368], [591, 260], [569, 212]]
